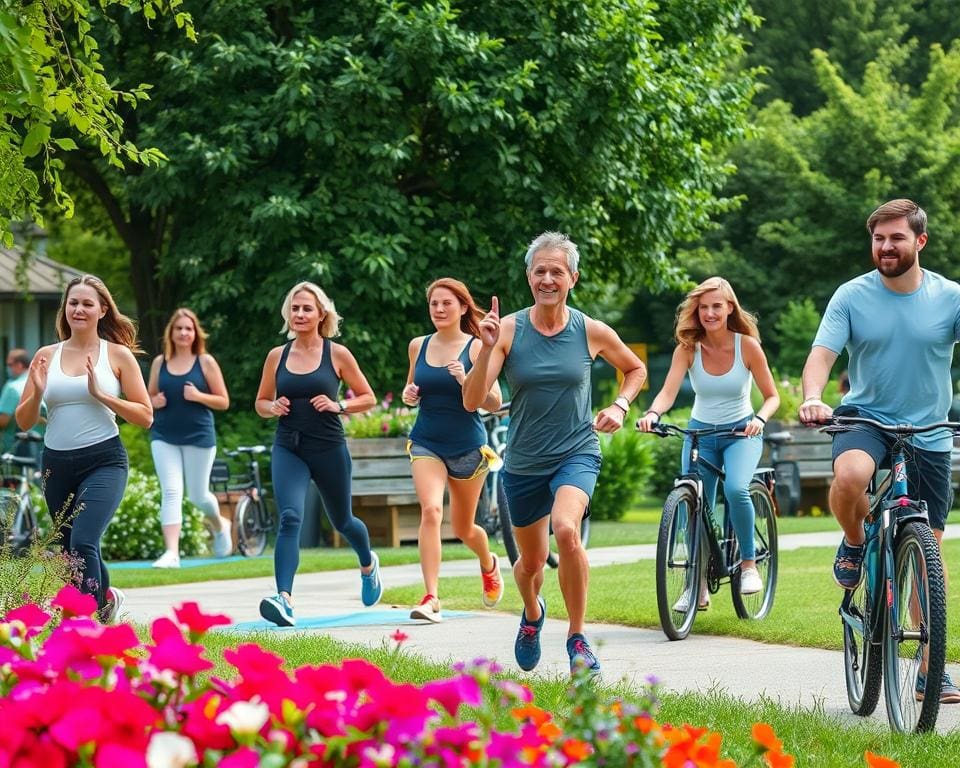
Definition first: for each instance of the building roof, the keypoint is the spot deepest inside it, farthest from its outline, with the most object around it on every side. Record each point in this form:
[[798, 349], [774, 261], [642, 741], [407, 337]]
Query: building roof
[[44, 276]]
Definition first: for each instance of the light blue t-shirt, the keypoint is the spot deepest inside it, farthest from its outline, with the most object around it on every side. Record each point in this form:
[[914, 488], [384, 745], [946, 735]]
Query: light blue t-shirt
[[9, 399], [901, 348]]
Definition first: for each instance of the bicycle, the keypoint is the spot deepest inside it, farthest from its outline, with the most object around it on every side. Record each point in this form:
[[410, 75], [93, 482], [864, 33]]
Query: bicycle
[[19, 521], [896, 617], [493, 512], [693, 547], [787, 487], [254, 514]]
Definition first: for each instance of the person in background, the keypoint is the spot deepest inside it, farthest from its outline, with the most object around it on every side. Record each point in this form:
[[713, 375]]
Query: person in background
[[186, 386], [86, 381], [18, 367], [447, 444]]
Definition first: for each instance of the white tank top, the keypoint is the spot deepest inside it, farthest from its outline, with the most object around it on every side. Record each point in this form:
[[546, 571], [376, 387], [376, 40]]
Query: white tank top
[[74, 418], [725, 398]]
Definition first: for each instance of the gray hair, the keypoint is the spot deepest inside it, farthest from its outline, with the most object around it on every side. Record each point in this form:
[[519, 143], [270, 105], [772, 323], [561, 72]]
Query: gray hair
[[554, 241], [329, 325]]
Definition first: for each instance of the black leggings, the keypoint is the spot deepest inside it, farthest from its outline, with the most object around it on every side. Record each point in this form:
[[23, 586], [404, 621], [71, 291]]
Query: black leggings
[[293, 463], [83, 489]]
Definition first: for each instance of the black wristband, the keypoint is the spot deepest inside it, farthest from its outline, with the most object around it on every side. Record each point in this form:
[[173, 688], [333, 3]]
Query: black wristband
[[654, 413], [760, 418]]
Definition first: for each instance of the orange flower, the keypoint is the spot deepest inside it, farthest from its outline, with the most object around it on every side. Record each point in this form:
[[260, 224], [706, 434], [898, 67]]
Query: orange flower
[[549, 731], [879, 761], [534, 714], [644, 723], [764, 737], [777, 759], [577, 750]]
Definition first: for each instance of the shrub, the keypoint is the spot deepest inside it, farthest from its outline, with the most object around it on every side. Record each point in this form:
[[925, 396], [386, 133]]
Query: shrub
[[627, 467], [135, 533], [665, 454], [382, 421], [136, 441]]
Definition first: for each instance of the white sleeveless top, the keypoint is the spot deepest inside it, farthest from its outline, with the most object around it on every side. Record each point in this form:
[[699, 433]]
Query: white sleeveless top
[[74, 418], [725, 398]]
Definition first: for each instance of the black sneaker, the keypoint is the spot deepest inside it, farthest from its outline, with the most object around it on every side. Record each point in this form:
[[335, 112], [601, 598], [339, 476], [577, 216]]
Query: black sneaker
[[848, 565], [527, 647]]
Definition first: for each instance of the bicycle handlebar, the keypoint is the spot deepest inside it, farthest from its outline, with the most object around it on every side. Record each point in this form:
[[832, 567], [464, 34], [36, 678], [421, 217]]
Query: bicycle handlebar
[[843, 424], [665, 430], [503, 410], [251, 449]]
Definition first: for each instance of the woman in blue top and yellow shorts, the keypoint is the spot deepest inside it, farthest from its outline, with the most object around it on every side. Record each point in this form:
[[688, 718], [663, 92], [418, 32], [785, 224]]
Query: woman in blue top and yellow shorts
[[448, 443]]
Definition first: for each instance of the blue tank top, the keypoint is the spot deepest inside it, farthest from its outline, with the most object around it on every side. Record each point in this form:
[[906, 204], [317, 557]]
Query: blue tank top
[[725, 398], [443, 425], [300, 388], [550, 417], [180, 421]]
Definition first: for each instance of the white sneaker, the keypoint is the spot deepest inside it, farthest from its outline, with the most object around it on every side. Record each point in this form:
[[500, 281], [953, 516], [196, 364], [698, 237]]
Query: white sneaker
[[222, 541], [428, 610], [169, 559], [683, 602], [111, 609], [750, 582]]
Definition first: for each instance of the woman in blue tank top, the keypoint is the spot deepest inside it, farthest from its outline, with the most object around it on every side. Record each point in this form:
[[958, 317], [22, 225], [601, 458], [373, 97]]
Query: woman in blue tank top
[[448, 443], [719, 345], [300, 385], [186, 386]]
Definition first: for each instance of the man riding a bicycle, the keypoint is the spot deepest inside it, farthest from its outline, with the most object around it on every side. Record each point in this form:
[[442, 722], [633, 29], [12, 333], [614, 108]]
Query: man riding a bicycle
[[899, 324]]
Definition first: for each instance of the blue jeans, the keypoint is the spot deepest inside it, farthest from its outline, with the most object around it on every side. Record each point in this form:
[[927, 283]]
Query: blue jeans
[[738, 457]]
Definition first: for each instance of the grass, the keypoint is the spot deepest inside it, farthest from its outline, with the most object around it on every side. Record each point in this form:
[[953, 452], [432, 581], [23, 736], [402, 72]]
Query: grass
[[804, 613], [814, 738]]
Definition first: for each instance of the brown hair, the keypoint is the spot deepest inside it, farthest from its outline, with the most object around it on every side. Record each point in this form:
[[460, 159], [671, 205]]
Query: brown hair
[[898, 209], [688, 329], [199, 345], [469, 320], [113, 326]]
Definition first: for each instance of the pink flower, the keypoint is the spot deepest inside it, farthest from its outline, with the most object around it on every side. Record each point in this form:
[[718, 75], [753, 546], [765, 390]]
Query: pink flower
[[117, 756], [171, 651], [31, 615], [242, 758], [399, 637], [450, 694], [196, 621], [73, 602]]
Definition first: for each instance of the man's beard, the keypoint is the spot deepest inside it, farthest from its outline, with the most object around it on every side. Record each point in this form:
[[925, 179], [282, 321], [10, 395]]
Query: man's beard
[[902, 265]]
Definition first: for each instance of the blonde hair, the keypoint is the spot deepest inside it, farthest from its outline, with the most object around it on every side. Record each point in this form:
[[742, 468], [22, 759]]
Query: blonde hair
[[199, 345], [688, 330], [329, 325], [113, 326]]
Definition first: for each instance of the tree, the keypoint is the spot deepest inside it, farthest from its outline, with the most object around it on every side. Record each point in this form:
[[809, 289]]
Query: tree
[[53, 83], [373, 146]]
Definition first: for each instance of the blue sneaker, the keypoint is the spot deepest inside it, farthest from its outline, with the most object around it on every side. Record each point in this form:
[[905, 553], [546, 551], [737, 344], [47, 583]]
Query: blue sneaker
[[949, 693], [527, 647], [371, 587], [847, 567], [277, 610], [582, 655]]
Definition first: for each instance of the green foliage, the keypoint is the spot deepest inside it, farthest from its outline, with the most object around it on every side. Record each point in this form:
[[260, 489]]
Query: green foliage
[[796, 330], [666, 454], [136, 441], [381, 422], [134, 532], [54, 82], [627, 467], [246, 427]]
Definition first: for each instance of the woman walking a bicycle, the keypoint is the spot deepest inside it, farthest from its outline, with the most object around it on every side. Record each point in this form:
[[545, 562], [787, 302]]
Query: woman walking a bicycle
[[718, 346], [300, 385], [448, 444], [186, 386], [553, 460], [81, 381]]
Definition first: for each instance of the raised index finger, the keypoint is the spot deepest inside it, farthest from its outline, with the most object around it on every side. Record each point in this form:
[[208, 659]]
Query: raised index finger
[[495, 306]]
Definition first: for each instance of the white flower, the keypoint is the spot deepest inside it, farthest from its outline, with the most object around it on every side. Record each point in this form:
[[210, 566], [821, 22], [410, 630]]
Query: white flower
[[245, 717], [382, 756], [170, 750]]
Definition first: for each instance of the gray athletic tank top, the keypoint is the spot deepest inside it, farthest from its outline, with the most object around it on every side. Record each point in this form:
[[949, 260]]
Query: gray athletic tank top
[[549, 377], [725, 398]]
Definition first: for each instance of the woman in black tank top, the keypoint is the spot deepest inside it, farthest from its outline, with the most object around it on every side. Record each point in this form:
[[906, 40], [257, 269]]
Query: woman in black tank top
[[300, 385]]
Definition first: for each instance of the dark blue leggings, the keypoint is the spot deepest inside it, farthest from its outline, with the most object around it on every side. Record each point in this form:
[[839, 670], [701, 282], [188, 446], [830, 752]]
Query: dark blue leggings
[[86, 485], [291, 468]]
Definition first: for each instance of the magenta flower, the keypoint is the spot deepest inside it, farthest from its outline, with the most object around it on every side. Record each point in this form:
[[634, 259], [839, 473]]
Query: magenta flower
[[242, 758], [450, 694], [198, 622], [31, 615], [73, 602], [171, 651]]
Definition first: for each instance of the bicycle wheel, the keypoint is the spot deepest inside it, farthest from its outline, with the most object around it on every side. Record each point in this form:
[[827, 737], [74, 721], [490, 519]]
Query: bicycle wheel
[[506, 526], [862, 659], [251, 536], [758, 605], [916, 631], [553, 559], [679, 563], [24, 528]]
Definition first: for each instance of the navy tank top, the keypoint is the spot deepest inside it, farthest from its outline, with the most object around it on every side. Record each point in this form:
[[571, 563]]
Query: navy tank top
[[443, 425], [299, 389], [180, 421]]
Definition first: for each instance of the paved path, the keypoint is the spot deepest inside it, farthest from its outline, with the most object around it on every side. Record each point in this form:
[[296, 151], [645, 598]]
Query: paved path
[[810, 678]]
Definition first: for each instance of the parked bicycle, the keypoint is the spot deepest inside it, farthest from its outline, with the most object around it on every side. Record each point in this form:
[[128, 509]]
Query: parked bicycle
[[695, 548], [255, 515], [895, 621], [19, 519], [493, 512], [786, 472]]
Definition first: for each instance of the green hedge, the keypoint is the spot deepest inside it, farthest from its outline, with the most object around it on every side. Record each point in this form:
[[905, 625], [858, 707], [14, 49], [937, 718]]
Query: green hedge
[[626, 471]]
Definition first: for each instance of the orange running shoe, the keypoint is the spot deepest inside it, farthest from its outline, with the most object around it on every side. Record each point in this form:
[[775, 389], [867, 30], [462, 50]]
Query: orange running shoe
[[492, 584]]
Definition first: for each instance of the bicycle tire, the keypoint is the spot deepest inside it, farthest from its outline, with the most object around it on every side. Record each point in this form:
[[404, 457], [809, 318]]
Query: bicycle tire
[[506, 526], [862, 658], [918, 574], [553, 559], [487, 515], [758, 605], [678, 554], [251, 538]]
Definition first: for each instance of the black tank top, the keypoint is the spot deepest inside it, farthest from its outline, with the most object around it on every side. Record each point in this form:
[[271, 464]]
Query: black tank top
[[299, 388]]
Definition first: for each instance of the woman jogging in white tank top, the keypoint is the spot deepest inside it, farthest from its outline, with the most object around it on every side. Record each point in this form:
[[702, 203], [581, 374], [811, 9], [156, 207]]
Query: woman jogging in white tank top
[[719, 345], [84, 464]]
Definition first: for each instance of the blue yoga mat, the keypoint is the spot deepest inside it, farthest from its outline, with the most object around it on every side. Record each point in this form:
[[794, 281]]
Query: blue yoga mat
[[388, 616], [193, 562]]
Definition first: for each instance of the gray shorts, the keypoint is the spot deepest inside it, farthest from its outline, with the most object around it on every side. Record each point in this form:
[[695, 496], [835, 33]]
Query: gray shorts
[[466, 466]]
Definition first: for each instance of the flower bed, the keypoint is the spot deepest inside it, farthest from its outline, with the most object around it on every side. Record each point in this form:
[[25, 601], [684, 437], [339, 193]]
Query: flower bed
[[75, 692]]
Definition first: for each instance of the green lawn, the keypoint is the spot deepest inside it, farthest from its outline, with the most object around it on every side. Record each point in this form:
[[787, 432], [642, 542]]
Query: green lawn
[[804, 614], [815, 739]]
